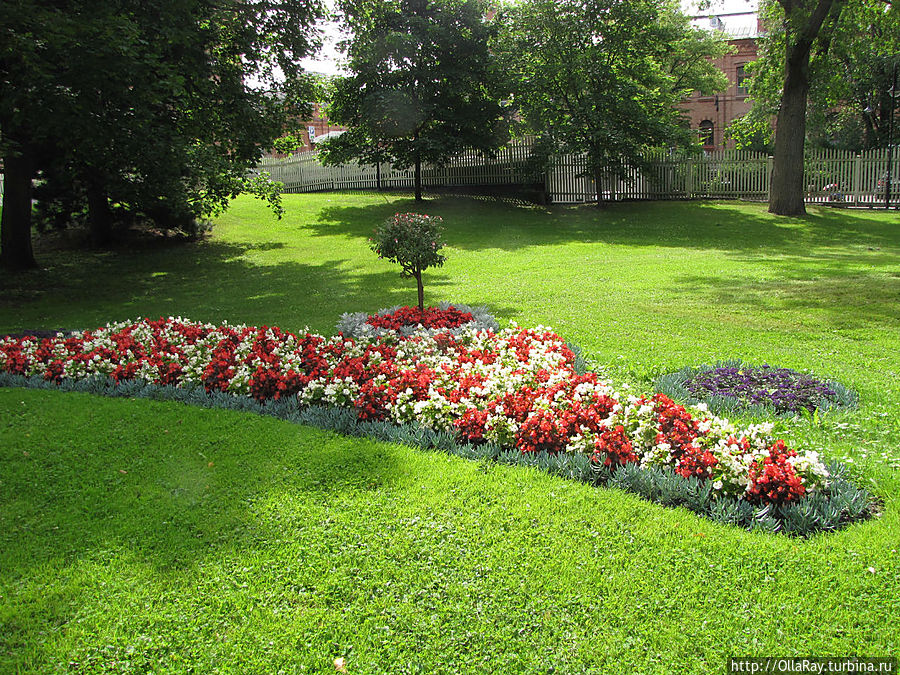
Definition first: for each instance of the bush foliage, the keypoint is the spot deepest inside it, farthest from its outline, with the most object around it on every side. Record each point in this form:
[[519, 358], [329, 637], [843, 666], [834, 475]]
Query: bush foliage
[[413, 241]]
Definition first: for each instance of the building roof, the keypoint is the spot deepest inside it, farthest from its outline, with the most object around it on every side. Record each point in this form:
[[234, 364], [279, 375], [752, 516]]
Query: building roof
[[732, 27], [736, 19]]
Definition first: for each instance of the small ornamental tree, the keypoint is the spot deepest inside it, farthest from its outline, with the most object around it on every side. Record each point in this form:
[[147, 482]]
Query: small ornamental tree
[[413, 241]]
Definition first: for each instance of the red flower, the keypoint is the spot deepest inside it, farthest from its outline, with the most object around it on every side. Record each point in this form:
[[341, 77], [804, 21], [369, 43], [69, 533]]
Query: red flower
[[614, 448], [773, 479], [413, 316]]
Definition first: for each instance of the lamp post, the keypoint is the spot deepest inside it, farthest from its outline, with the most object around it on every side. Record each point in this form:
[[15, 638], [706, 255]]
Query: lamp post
[[890, 153]]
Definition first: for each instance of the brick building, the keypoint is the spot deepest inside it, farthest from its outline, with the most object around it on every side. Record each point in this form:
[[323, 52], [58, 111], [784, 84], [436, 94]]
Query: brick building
[[711, 115], [318, 125]]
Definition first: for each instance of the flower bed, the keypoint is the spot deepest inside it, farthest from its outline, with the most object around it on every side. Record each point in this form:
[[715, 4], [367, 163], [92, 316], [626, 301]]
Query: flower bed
[[431, 317], [734, 385], [516, 388], [404, 320]]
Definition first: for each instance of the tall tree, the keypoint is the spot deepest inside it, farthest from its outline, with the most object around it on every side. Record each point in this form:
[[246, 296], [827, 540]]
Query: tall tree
[[605, 77], [804, 34], [421, 86], [865, 55], [143, 107], [849, 103]]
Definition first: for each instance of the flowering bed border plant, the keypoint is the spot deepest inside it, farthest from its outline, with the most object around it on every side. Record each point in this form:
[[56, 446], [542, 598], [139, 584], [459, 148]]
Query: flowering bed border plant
[[514, 395], [734, 385]]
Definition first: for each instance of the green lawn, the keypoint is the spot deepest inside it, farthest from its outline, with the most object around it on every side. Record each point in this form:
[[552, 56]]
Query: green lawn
[[142, 536]]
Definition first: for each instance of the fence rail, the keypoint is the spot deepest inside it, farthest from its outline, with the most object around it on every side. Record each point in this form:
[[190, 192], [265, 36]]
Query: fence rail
[[832, 176]]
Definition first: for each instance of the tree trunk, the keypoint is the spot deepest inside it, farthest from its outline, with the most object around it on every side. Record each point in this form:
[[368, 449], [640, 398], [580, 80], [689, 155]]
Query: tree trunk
[[812, 23], [598, 176], [418, 178], [787, 188], [16, 252], [99, 215], [418, 275]]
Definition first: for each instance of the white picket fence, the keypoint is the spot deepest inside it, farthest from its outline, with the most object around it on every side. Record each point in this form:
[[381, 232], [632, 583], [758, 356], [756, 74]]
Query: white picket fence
[[832, 176], [303, 172], [666, 175]]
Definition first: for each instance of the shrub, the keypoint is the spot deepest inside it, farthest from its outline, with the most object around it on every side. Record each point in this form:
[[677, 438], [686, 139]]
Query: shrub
[[413, 241]]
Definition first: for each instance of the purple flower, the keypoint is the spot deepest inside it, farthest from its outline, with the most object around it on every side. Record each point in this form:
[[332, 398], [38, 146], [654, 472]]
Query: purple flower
[[785, 389]]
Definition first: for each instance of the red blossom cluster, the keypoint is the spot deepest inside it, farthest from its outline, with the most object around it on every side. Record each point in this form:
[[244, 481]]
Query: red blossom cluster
[[614, 448], [431, 317], [774, 479], [679, 429], [546, 416]]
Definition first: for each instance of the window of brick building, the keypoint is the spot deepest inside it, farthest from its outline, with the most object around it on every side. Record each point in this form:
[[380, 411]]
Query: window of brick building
[[707, 133], [741, 81]]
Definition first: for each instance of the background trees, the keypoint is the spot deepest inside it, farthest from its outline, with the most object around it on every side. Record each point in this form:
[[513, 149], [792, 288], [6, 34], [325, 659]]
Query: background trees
[[824, 72], [134, 110], [131, 111], [605, 77], [422, 85], [849, 102]]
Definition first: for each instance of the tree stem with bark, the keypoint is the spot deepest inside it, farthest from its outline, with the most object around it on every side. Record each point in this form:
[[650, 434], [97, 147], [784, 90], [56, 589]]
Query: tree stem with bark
[[418, 275], [16, 252], [786, 194]]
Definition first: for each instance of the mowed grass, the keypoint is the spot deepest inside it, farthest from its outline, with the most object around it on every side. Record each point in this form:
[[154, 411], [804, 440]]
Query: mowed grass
[[141, 536]]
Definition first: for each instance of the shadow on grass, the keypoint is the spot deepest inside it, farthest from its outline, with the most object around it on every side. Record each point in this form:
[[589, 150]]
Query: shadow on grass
[[207, 281], [848, 301], [473, 224], [220, 281], [853, 288], [166, 483]]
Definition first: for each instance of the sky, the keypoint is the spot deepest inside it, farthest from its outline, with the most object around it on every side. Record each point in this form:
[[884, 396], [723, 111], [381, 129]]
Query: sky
[[327, 61], [743, 25]]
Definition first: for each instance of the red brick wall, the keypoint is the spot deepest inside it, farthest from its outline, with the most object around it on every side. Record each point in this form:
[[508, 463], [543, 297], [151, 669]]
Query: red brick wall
[[320, 123], [723, 107]]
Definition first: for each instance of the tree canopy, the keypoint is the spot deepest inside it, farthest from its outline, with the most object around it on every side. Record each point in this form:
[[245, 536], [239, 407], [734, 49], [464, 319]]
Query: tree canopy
[[422, 85], [849, 104], [145, 110], [802, 33], [605, 77]]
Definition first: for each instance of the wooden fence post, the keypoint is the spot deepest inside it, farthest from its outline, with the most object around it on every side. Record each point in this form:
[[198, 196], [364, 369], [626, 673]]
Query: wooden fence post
[[689, 179], [856, 178]]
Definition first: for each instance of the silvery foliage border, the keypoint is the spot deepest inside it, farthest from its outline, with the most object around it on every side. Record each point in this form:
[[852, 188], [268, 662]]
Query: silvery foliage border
[[353, 324]]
